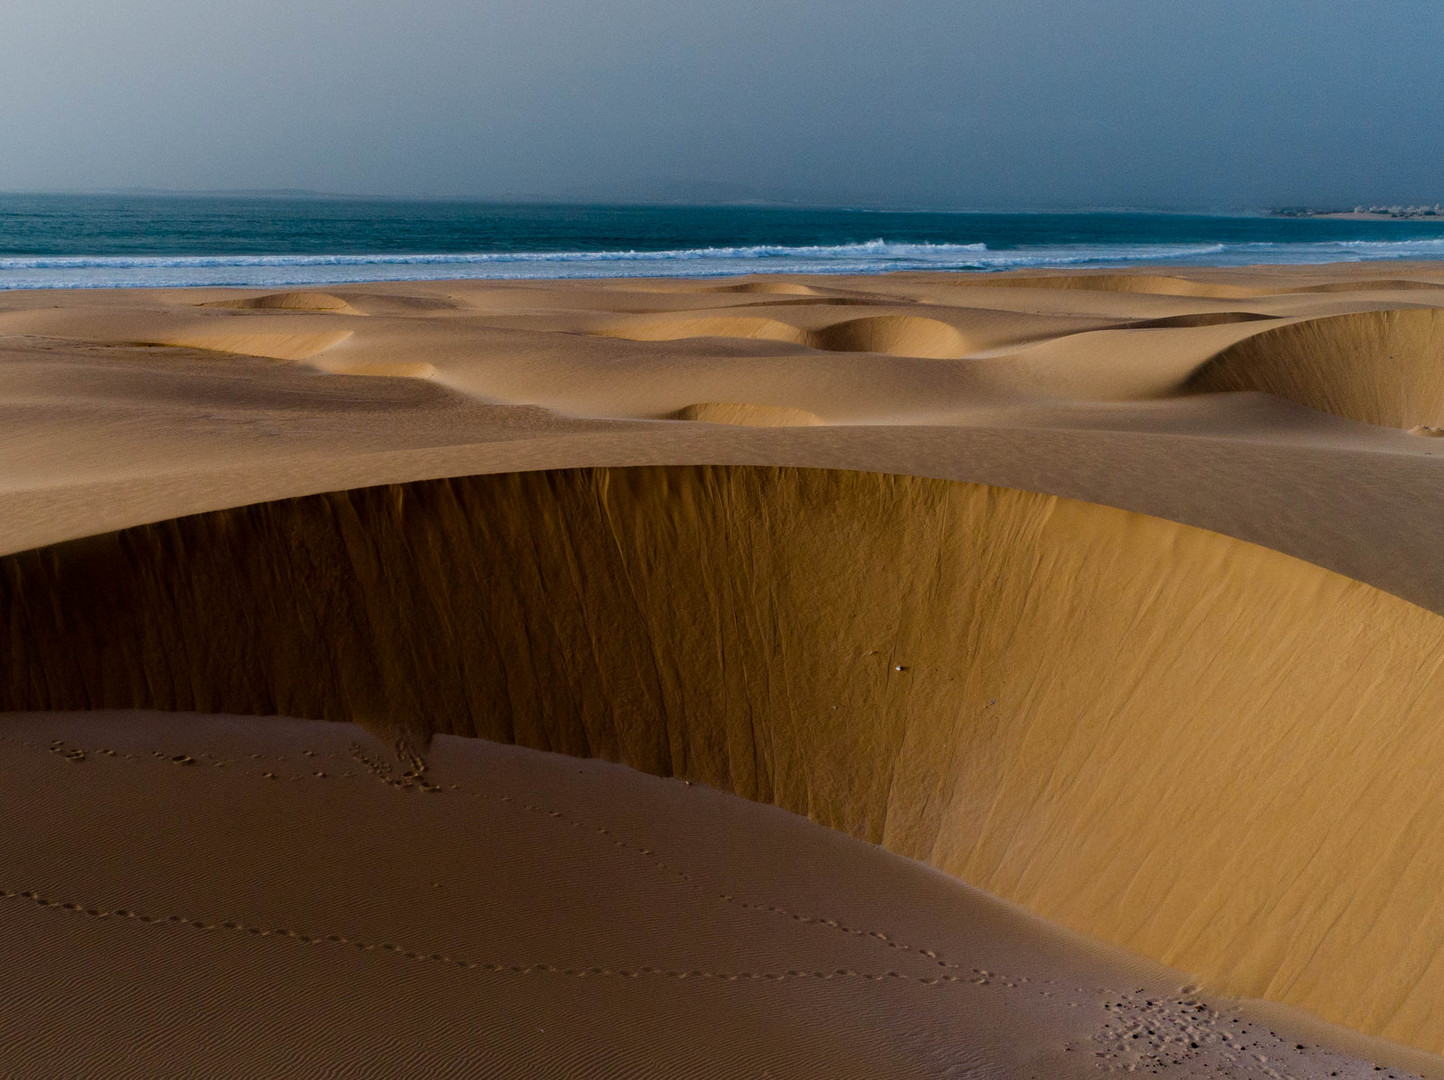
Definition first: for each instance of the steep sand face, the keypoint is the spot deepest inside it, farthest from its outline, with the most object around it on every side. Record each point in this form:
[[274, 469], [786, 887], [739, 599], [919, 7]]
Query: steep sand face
[[1381, 367], [1204, 751]]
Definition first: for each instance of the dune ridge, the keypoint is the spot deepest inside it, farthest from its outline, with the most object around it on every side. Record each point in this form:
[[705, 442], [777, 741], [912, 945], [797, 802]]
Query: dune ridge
[[892, 335], [1102, 716], [271, 346]]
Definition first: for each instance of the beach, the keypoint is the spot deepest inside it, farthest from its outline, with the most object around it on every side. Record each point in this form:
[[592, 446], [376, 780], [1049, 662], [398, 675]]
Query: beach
[[928, 674]]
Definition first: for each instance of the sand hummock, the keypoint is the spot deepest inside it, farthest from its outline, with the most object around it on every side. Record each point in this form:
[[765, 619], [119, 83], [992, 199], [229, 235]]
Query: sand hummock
[[380, 689]]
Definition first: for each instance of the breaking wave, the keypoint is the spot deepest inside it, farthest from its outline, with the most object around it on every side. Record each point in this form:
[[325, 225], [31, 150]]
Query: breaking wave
[[873, 256]]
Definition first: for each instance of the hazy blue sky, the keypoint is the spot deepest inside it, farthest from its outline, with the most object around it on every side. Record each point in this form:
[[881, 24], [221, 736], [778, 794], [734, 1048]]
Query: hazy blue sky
[[964, 103]]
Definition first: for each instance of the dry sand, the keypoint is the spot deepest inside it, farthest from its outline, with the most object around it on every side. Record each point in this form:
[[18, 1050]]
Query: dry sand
[[1115, 596]]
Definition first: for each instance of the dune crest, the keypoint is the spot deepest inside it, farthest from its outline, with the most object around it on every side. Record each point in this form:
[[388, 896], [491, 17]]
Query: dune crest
[[1208, 318], [1143, 731], [781, 288], [271, 346]]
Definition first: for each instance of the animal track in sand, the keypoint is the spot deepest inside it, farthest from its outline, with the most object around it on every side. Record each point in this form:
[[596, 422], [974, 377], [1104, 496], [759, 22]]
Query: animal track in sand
[[412, 776], [78, 754], [1139, 1033], [182, 921]]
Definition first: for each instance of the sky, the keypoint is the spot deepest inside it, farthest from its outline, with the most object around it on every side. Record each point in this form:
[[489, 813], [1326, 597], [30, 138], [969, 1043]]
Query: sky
[[981, 104]]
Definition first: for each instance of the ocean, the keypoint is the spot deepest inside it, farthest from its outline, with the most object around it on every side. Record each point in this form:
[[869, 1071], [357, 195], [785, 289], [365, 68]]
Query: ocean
[[91, 241]]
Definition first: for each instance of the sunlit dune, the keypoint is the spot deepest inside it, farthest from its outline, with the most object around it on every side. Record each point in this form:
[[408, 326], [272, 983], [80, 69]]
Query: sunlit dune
[[1381, 367], [272, 346], [289, 301]]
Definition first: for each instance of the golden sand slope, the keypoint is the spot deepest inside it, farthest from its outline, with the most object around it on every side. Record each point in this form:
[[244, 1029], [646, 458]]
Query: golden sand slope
[[1205, 751], [1381, 367]]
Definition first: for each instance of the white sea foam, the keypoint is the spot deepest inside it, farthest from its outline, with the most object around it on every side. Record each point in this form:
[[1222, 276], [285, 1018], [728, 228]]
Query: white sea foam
[[875, 256]]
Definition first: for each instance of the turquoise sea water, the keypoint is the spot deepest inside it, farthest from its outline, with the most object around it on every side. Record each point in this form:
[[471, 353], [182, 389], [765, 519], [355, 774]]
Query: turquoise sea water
[[50, 241]]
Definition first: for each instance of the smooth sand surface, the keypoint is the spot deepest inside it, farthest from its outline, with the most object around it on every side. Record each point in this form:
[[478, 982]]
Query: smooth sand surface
[[191, 895], [1116, 596]]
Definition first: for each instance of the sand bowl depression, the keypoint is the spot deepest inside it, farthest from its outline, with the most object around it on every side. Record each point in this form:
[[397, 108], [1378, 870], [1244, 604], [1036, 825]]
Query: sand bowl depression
[[962, 565], [1205, 751]]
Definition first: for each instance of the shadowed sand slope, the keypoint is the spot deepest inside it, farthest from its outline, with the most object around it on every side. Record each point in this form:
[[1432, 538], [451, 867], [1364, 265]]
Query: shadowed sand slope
[[504, 913], [1381, 367], [1207, 752]]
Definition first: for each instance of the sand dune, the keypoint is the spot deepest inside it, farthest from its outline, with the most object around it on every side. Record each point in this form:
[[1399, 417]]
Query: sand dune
[[1370, 285], [890, 334], [1381, 367], [717, 326], [894, 335], [383, 369], [784, 288], [1223, 284], [289, 301], [1130, 283], [1208, 318], [1162, 674], [1098, 715], [245, 343], [748, 414]]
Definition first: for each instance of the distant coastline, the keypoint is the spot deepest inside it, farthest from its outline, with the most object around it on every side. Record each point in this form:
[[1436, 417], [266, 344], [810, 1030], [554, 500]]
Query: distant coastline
[[1366, 213]]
